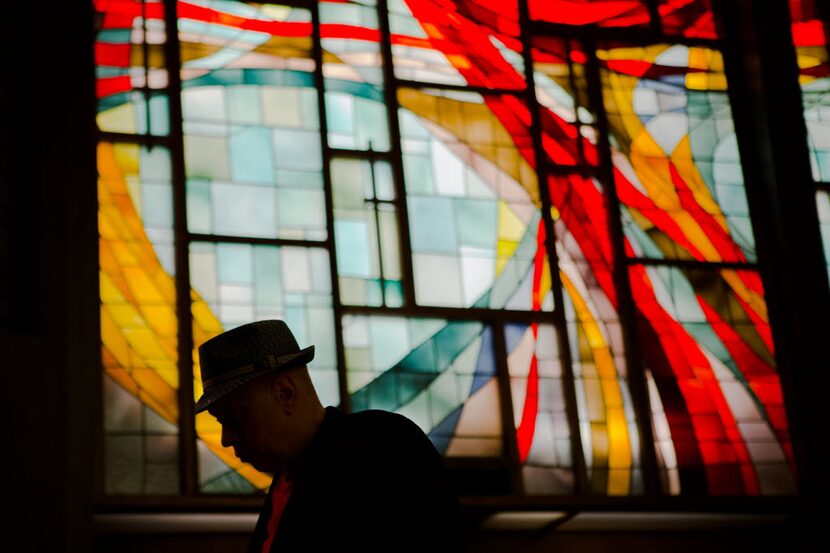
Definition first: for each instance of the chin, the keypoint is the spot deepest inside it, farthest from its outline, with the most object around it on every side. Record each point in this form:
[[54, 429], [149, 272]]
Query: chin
[[264, 467]]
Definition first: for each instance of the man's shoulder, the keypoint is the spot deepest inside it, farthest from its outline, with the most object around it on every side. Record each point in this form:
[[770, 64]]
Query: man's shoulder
[[379, 428], [380, 418]]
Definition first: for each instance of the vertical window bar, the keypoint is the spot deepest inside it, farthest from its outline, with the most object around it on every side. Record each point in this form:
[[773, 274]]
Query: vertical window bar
[[510, 443], [655, 24], [376, 209], [145, 62], [390, 90], [637, 379], [187, 422], [317, 52], [574, 87], [580, 471]]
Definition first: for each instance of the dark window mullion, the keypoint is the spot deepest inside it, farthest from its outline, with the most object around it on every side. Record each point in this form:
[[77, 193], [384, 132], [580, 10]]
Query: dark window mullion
[[655, 23], [691, 263], [372, 155], [483, 90], [452, 313], [187, 428], [319, 82], [390, 90], [558, 315], [510, 445], [635, 36], [147, 140], [622, 284], [216, 238]]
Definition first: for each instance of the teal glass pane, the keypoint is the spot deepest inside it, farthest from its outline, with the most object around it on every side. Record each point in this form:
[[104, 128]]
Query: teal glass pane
[[253, 155], [353, 77], [130, 72], [366, 233], [440, 374], [473, 202], [539, 411]]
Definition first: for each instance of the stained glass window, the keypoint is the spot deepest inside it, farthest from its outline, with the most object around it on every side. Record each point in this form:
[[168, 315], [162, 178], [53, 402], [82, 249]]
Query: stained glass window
[[811, 44], [521, 224], [131, 69]]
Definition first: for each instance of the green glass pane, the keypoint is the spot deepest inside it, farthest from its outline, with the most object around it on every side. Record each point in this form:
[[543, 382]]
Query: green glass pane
[[206, 157], [301, 209], [204, 104], [297, 149], [352, 238], [349, 183], [340, 118], [390, 243], [235, 263], [370, 125], [198, 206], [432, 224], [243, 210], [268, 291], [244, 105], [250, 153], [384, 181]]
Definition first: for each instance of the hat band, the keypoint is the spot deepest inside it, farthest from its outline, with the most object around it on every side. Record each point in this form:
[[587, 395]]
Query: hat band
[[272, 361]]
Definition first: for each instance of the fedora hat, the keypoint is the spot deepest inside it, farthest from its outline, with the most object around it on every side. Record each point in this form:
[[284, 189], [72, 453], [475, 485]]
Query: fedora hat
[[244, 353]]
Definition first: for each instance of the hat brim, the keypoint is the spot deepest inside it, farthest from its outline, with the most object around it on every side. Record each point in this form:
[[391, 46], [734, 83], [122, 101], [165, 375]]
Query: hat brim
[[214, 393]]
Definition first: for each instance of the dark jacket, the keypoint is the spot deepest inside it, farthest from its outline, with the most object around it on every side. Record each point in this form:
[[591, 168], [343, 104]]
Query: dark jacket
[[370, 481]]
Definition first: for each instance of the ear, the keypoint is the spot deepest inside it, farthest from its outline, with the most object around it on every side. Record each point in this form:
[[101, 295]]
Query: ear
[[284, 391]]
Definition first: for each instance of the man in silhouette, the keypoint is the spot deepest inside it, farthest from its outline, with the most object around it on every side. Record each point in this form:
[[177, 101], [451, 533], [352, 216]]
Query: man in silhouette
[[367, 481]]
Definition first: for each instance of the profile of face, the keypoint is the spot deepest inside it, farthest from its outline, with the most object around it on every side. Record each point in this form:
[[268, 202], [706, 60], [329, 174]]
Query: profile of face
[[257, 423]]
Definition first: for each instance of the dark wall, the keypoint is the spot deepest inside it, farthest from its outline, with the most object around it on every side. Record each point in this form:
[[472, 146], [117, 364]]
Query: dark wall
[[48, 273]]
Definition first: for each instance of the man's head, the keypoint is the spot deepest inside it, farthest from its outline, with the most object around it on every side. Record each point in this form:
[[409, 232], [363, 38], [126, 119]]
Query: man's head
[[271, 419], [256, 383]]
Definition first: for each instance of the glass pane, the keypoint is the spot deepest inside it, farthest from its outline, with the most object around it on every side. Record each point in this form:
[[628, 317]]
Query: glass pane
[[252, 147], [814, 76], [138, 320], [440, 374], [234, 284], [823, 204], [569, 135], [689, 18], [603, 13], [539, 412], [353, 77], [677, 169], [718, 409], [130, 72], [476, 231], [472, 43], [607, 423], [366, 233]]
